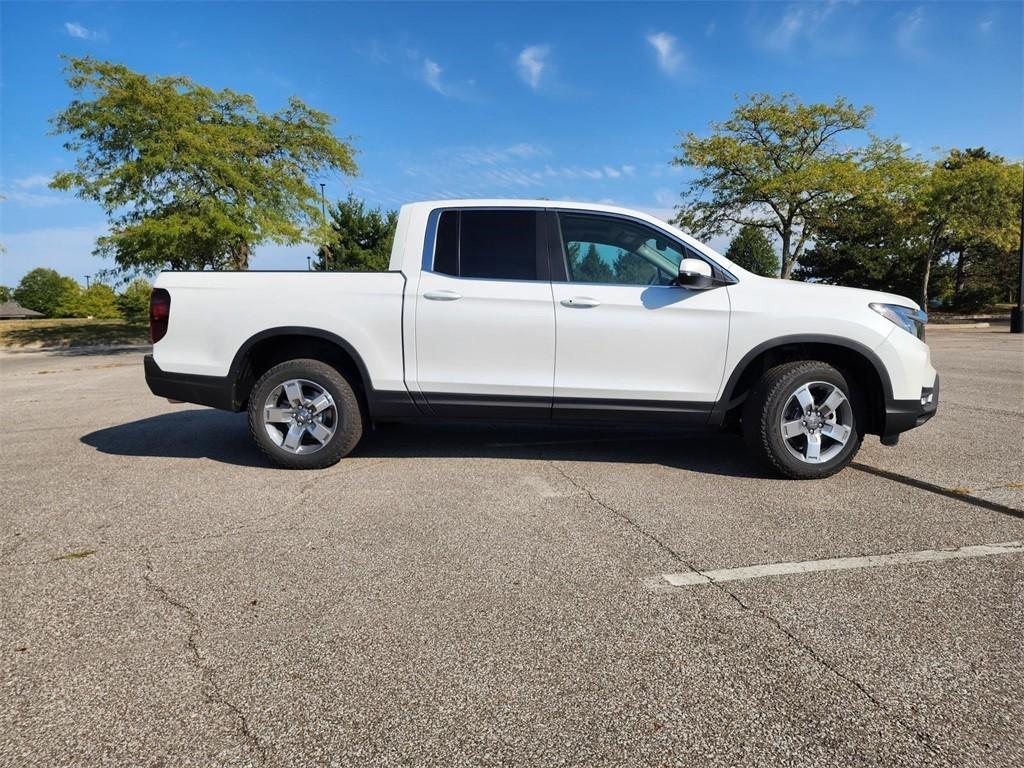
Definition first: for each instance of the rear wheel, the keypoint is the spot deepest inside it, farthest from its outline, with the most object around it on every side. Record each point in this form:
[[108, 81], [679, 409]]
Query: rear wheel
[[802, 419], [304, 414]]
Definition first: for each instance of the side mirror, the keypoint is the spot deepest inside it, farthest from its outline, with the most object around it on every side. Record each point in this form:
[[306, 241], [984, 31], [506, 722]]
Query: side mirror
[[695, 274]]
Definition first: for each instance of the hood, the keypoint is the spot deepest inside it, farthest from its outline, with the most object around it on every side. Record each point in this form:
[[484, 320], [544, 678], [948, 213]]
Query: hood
[[818, 292]]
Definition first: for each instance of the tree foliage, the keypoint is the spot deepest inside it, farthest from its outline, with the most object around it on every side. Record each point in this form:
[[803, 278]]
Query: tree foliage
[[188, 176], [752, 250], [972, 203], [360, 240], [133, 303], [591, 268], [46, 290], [779, 165], [947, 230], [6, 294], [98, 300]]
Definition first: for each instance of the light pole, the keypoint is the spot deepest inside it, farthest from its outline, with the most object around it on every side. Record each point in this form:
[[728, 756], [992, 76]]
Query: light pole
[[309, 264], [323, 201], [1017, 313], [87, 282]]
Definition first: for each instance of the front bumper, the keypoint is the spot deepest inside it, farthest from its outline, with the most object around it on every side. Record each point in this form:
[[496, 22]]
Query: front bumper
[[903, 415], [214, 391]]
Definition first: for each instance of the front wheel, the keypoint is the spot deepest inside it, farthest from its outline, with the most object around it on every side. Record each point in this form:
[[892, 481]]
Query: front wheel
[[801, 419], [304, 414]]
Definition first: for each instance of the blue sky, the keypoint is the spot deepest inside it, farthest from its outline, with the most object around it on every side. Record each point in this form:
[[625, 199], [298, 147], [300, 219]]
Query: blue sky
[[577, 100]]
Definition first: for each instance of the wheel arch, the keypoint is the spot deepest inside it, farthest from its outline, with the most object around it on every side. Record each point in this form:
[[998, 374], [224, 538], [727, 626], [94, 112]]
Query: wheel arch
[[849, 356], [269, 347]]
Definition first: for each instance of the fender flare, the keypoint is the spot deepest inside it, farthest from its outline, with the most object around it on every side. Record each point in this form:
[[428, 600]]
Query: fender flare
[[242, 355], [725, 402]]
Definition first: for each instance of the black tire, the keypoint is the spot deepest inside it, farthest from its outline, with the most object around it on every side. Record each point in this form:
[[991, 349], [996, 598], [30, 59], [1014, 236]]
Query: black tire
[[763, 413], [348, 428]]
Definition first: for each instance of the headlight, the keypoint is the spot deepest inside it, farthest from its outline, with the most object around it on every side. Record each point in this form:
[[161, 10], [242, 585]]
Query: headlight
[[910, 320]]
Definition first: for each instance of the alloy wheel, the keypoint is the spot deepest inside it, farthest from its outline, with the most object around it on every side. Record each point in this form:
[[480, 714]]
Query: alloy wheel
[[300, 416], [817, 422]]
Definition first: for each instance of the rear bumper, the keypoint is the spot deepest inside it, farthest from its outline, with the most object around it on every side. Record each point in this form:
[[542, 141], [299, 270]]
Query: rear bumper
[[213, 391], [903, 415]]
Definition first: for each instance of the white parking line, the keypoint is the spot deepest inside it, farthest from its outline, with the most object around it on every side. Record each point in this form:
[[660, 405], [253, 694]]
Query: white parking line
[[841, 564]]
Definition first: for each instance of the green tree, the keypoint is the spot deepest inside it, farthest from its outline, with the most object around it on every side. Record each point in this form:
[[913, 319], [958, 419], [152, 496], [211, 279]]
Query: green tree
[[360, 240], [946, 230], [877, 240], [630, 269], [188, 176], [133, 303], [973, 204], [779, 165], [6, 294], [98, 301], [591, 268], [46, 291], [752, 250]]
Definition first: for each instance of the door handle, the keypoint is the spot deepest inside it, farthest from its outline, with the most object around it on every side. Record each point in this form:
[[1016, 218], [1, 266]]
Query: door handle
[[442, 295], [580, 302]]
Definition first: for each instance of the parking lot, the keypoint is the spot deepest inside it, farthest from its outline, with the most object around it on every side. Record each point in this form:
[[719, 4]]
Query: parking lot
[[480, 595]]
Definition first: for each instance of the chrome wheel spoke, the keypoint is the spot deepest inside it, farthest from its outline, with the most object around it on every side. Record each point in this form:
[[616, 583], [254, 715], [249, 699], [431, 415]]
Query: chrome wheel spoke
[[293, 391], [320, 433], [833, 401], [277, 415], [838, 432], [804, 397], [791, 429], [320, 403], [293, 439], [813, 452]]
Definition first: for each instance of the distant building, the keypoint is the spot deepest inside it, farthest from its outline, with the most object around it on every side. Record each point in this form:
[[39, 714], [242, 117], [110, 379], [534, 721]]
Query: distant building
[[12, 310]]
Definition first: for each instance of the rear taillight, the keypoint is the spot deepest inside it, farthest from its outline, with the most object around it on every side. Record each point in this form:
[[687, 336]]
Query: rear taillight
[[159, 314]]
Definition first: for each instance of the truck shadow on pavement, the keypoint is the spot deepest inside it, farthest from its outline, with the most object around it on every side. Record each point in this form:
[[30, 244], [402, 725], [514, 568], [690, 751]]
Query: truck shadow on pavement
[[224, 437]]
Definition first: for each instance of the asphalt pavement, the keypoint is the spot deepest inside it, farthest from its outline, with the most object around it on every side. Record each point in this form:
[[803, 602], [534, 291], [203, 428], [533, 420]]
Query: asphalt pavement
[[491, 595]]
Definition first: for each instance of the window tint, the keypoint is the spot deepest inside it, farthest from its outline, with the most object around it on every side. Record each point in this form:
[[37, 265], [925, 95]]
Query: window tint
[[446, 245], [498, 244], [488, 244], [602, 249]]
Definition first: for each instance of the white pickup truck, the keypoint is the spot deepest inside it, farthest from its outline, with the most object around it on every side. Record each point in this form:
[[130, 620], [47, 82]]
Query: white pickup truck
[[551, 312]]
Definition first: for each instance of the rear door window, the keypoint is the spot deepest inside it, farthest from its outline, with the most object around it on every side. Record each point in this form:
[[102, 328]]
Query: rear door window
[[494, 245]]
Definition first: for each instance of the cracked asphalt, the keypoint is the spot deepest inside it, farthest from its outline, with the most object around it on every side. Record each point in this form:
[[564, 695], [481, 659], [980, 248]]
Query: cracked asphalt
[[477, 595]]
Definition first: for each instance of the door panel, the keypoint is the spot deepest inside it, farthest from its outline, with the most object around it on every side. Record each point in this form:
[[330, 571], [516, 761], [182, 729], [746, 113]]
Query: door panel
[[659, 344], [496, 339]]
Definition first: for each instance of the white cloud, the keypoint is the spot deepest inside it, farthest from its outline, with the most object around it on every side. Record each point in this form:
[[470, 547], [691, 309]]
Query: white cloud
[[986, 24], [670, 58], [806, 22], [629, 170], [76, 30], [612, 173], [532, 62], [666, 198], [497, 155], [33, 199], [432, 74], [910, 31], [35, 181], [709, 30]]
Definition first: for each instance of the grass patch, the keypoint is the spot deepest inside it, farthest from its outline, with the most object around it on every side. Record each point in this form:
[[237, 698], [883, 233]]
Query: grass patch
[[76, 555], [74, 332]]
